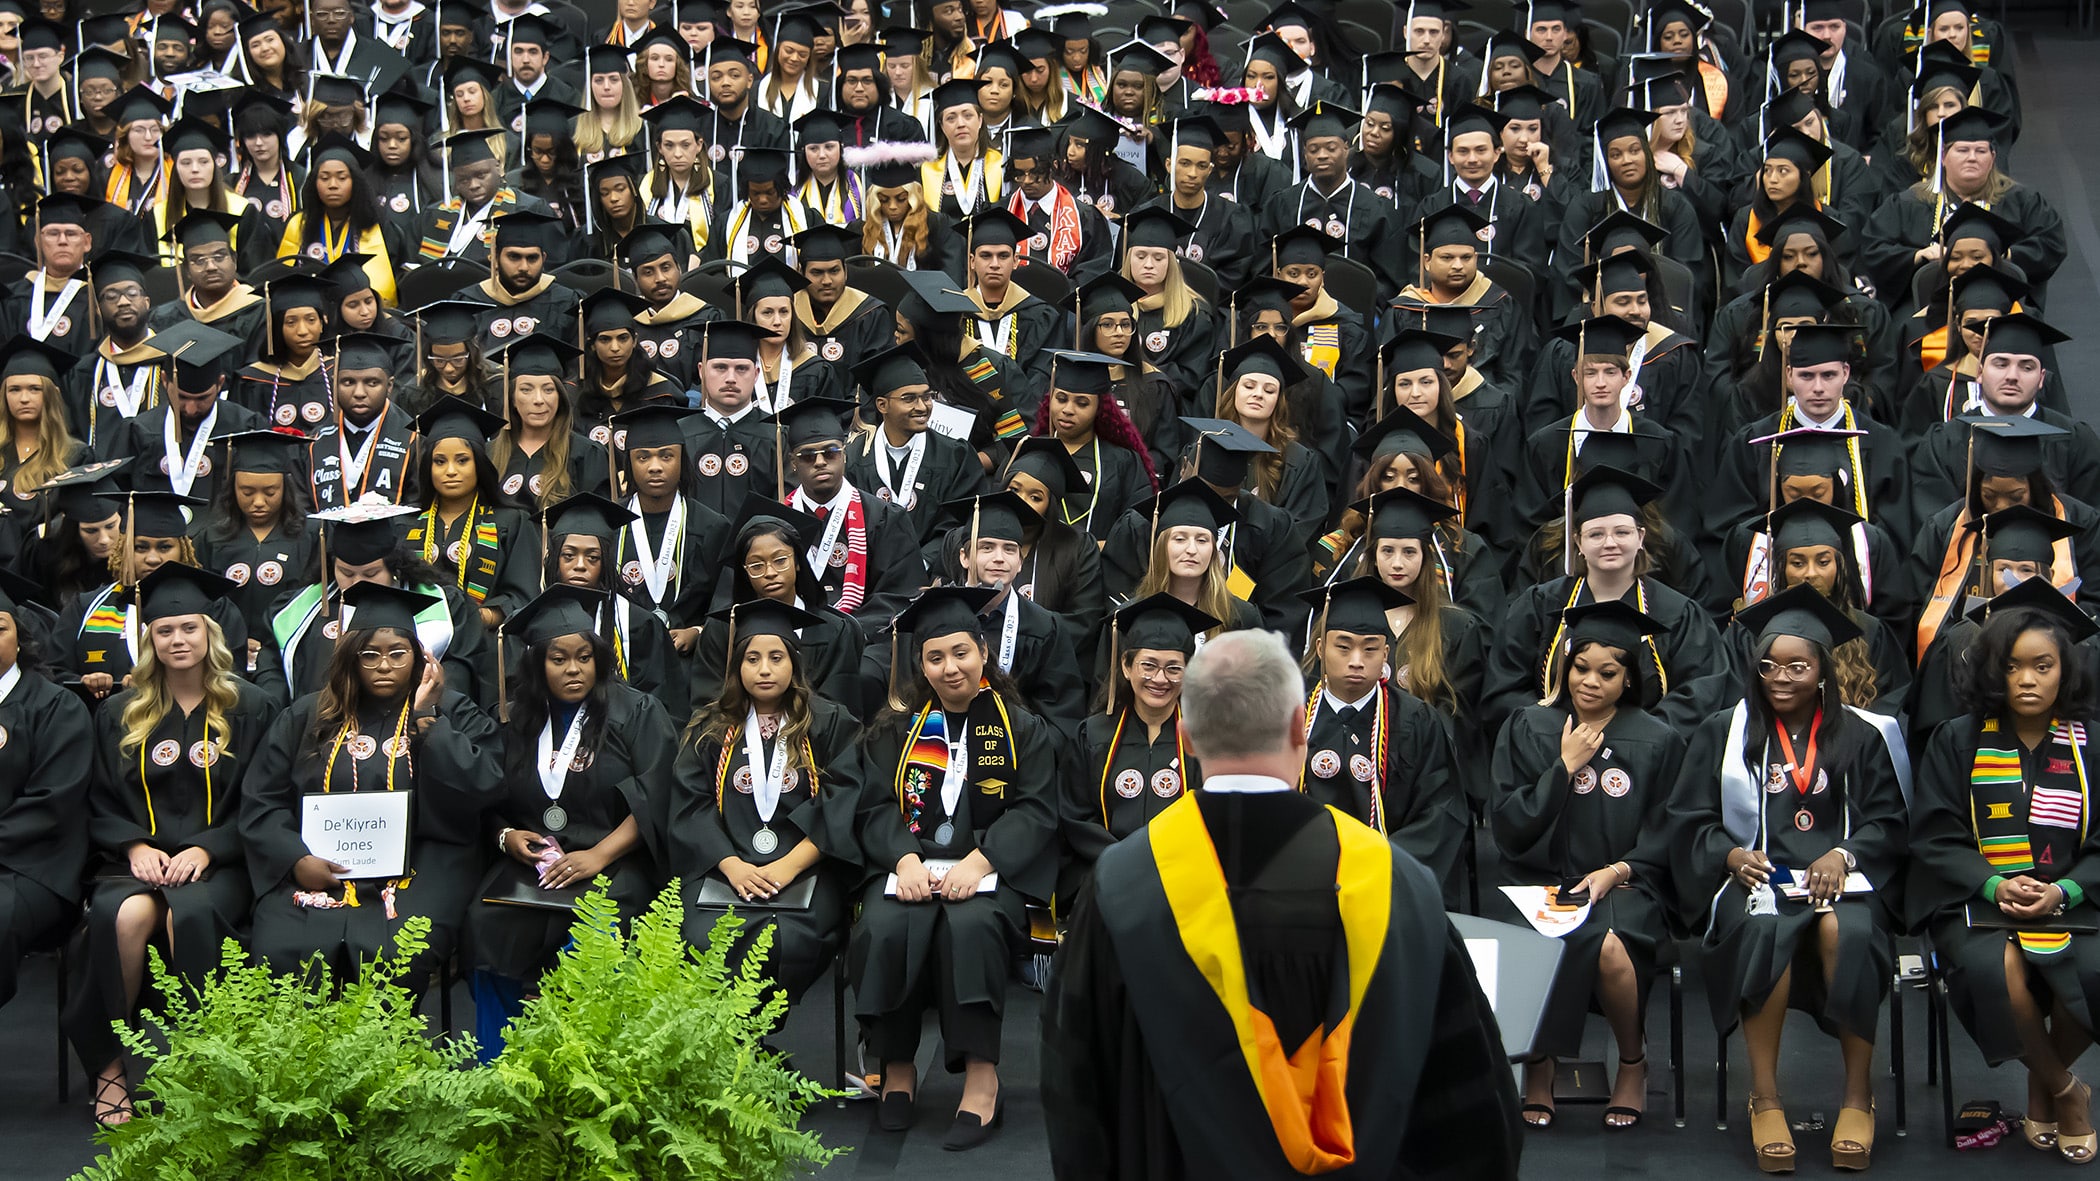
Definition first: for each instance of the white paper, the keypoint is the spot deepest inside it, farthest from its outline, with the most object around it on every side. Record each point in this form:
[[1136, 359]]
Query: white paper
[[1855, 883], [365, 830], [1487, 957], [952, 421], [1530, 901], [939, 869]]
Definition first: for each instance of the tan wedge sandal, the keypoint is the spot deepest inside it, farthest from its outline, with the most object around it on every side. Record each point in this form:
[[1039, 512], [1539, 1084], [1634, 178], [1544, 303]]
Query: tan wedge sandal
[[2079, 1150], [1852, 1143], [1771, 1136]]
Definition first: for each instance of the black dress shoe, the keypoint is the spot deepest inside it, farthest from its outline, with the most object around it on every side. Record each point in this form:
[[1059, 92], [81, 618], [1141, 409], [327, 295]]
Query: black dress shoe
[[970, 1130], [895, 1113]]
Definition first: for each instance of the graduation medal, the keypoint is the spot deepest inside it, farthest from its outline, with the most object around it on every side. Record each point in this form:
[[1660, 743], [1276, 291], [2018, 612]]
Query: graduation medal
[[945, 833], [554, 768], [764, 841], [555, 818]]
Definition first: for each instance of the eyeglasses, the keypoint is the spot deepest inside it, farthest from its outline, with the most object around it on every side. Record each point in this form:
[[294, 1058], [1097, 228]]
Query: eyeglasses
[[813, 454], [1152, 670], [922, 397], [779, 565], [1028, 173], [374, 658], [1792, 670]]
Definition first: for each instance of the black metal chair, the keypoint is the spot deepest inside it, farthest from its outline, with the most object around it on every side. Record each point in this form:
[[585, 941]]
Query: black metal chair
[[441, 279]]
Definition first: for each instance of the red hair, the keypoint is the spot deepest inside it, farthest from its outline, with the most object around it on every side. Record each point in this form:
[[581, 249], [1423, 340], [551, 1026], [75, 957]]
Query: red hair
[[1200, 66], [1111, 423]]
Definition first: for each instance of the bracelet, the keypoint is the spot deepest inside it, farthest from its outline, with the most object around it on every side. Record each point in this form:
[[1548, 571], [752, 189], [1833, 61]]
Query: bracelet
[[1624, 871], [503, 839]]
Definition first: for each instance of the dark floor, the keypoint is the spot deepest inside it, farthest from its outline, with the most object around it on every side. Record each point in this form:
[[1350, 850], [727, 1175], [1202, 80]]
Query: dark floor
[[2059, 154]]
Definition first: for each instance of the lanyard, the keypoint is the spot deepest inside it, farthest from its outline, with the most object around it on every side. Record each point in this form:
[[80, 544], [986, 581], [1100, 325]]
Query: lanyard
[[767, 777], [906, 495], [183, 470], [958, 769], [553, 767], [1803, 770], [130, 394], [996, 332], [893, 240], [656, 565], [1093, 491], [43, 318]]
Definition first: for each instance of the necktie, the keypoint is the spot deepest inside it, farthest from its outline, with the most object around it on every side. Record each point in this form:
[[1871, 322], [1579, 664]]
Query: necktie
[[1347, 715], [1474, 194]]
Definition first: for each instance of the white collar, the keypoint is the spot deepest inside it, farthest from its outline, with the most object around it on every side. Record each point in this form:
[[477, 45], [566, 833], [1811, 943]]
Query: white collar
[[1836, 421], [1459, 185], [1246, 785], [720, 419], [1984, 408], [1334, 702]]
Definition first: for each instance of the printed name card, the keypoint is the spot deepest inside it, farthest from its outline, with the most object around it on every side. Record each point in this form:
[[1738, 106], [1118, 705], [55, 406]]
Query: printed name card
[[366, 831]]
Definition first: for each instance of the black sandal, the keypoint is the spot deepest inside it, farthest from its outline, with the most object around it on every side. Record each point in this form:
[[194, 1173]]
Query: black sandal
[[1637, 1115], [105, 1109], [1541, 1109]]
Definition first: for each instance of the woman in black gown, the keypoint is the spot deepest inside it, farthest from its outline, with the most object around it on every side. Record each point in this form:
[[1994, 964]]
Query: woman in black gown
[[1557, 829], [1788, 806], [586, 774], [468, 528], [767, 559], [2005, 853], [757, 806], [954, 784], [384, 721], [169, 755], [257, 533]]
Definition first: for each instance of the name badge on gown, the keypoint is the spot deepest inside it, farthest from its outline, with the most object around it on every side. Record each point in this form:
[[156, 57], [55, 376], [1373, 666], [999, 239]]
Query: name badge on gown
[[366, 831]]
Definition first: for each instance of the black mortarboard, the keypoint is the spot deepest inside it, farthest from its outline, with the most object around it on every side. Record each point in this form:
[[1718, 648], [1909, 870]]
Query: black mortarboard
[[1796, 45], [1804, 153], [1987, 288], [369, 606], [680, 112], [891, 370], [2020, 334], [1001, 515], [138, 103], [158, 513], [1270, 48], [1402, 431], [2036, 594], [1325, 119], [760, 165], [1811, 451], [1942, 66], [453, 417], [201, 354], [1412, 349], [943, 611], [994, 227], [647, 243], [1155, 227], [1265, 293], [1607, 336], [336, 90], [1798, 293], [1031, 143], [816, 420], [1800, 217], [1607, 491], [538, 355], [526, 228], [1453, 225], [265, 452], [347, 274], [1401, 513], [587, 514], [2023, 533], [1301, 246], [176, 589], [824, 242], [1614, 623], [1807, 522], [466, 68], [767, 278], [932, 293], [1622, 228], [999, 55], [1081, 372], [1107, 292], [1261, 354], [1140, 58], [203, 227], [1791, 106], [764, 617], [1610, 275], [1471, 118], [334, 145], [603, 57], [1356, 605], [865, 56], [1045, 459], [560, 610], [468, 148], [902, 40], [1223, 450], [2009, 445], [530, 28], [38, 33], [608, 309], [191, 134], [1974, 221], [17, 592], [1623, 123], [97, 62], [449, 321], [76, 143], [652, 424], [821, 126], [1154, 28], [1972, 124], [1820, 344], [1524, 102], [958, 92], [731, 340], [67, 209], [1162, 623], [28, 355], [1190, 504], [1801, 611]]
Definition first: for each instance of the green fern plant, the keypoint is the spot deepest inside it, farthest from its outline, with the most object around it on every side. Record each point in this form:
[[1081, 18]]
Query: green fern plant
[[640, 1059], [270, 1077]]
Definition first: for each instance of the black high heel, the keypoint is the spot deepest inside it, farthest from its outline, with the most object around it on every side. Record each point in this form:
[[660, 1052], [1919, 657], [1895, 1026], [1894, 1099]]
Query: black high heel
[[970, 1130], [105, 1109], [896, 1111]]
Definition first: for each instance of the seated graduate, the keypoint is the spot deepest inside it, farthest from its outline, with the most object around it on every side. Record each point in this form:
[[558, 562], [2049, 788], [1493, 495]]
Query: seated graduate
[[2010, 382], [767, 558], [1477, 466], [1814, 544], [384, 721], [732, 441], [585, 780], [539, 455], [1060, 563], [1031, 646], [363, 452], [1373, 751], [671, 557], [760, 801], [467, 529], [1438, 651], [954, 784], [287, 384], [1788, 807], [622, 368], [173, 441], [865, 554], [1186, 561], [167, 862], [1132, 761], [256, 531], [36, 442], [902, 459], [1400, 451], [2002, 862], [1250, 380], [44, 771], [581, 533], [1597, 848], [788, 367], [1081, 412], [1969, 149], [1609, 558]]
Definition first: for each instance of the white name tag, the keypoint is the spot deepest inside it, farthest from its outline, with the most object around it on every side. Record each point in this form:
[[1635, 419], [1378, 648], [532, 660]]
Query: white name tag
[[366, 831], [952, 421]]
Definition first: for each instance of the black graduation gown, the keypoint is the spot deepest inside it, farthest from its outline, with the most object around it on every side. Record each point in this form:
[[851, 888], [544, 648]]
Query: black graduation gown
[[456, 775], [670, 335], [1940, 462], [856, 327], [1060, 572], [1854, 800], [93, 631], [1895, 600], [1939, 533], [1370, 225], [627, 772], [1742, 386], [1326, 325], [730, 459], [70, 332], [179, 808], [385, 473], [1553, 828], [1186, 354], [502, 577], [1948, 873], [1119, 780], [643, 653], [894, 569], [1701, 675], [949, 471], [1662, 458], [689, 587], [1254, 185], [1673, 212], [831, 657], [1031, 328], [1903, 225], [238, 313], [44, 770], [1265, 543], [549, 308], [1420, 802], [903, 955], [522, 475], [262, 570], [1518, 227], [145, 439], [469, 657], [93, 414], [1115, 484], [1741, 484], [1673, 384], [706, 830], [1226, 239], [286, 396]]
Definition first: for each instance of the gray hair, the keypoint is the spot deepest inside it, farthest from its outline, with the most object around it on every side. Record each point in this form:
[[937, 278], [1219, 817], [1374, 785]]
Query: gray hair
[[1238, 696]]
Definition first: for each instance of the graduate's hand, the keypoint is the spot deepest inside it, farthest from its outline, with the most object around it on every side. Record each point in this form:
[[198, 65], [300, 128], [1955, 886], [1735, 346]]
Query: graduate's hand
[[149, 864], [1541, 154], [576, 869], [524, 845], [748, 880], [317, 873], [99, 683], [1672, 165], [188, 866], [1931, 252], [914, 884], [1826, 877], [432, 686], [1749, 867], [2024, 897], [1600, 882], [1579, 743], [961, 881], [683, 639]]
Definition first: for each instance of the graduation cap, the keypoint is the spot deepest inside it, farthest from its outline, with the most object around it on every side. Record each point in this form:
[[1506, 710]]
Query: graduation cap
[[1625, 271], [1081, 372], [1324, 119], [1806, 154], [1811, 451], [902, 40], [1031, 143], [264, 452], [2036, 594], [609, 309], [824, 242], [1403, 432], [1270, 48], [1201, 12], [1621, 229], [1356, 605], [448, 321], [1045, 460], [191, 134], [466, 68], [530, 28], [943, 611], [201, 354], [1623, 123], [802, 528], [1200, 132], [1453, 225], [1162, 623], [999, 55], [1105, 293], [1401, 513], [98, 62], [1800, 218], [2019, 334], [1223, 449], [1000, 516], [2008, 446], [821, 126], [38, 33], [453, 417], [899, 367], [1820, 344], [603, 57], [89, 494], [731, 340], [1986, 288], [994, 227], [1940, 66], [1262, 355], [1974, 221], [176, 589], [1265, 293], [1413, 349], [816, 420], [1158, 27], [1601, 336], [1972, 125], [1190, 504], [1798, 293], [2023, 533], [1470, 119], [77, 143], [1607, 491], [552, 117], [28, 355], [1796, 45], [762, 165], [588, 514], [560, 610], [527, 229], [1614, 623], [1510, 43], [155, 512], [17, 592], [1397, 103], [64, 209], [1138, 57], [1155, 227], [1302, 246], [1806, 522], [932, 293], [138, 104], [334, 145], [764, 617], [1790, 107], [1801, 611], [767, 278], [956, 92], [539, 355], [647, 243], [369, 606], [468, 148], [652, 424], [335, 90]]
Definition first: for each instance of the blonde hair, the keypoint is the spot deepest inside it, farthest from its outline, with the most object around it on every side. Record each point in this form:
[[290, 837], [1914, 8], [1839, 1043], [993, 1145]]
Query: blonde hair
[[54, 442], [1177, 300], [151, 701], [1268, 467], [915, 232], [591, 136], [1213, 598]]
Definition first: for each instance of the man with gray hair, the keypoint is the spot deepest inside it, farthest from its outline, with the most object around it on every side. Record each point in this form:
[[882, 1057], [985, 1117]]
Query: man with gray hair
[[1250, 986]]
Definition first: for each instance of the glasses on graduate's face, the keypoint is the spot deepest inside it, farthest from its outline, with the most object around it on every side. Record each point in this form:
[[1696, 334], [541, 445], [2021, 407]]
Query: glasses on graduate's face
[[1030, 172], [923, 397], [778, 565], [1152, 670], [813, 454], [1792, 670], [387, 658]]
